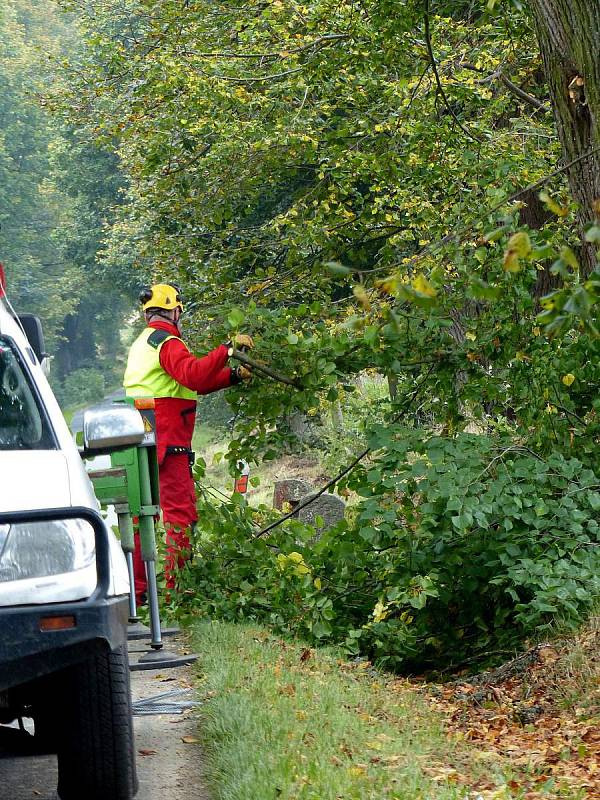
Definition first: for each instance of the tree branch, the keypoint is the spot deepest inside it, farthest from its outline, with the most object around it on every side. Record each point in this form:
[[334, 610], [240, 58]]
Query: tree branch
[[405, 405], [256, 78], [438, 80], [255, 365], [321, 41], [525, 96]]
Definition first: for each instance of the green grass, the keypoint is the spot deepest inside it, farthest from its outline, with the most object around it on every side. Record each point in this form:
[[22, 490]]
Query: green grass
[[280, 721]]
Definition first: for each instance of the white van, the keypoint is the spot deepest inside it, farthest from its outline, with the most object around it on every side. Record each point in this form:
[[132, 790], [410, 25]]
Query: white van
[[63, 579]]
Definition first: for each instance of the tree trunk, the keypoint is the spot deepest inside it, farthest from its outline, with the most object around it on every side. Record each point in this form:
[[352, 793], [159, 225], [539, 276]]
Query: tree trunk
[[568, 33], [535, 215]]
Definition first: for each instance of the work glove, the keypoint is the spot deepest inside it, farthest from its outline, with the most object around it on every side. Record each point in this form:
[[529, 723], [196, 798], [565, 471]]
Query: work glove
[[240, 374], [243, 342]]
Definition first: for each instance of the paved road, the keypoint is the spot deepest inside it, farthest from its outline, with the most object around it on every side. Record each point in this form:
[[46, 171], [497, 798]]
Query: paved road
[[170, 770]]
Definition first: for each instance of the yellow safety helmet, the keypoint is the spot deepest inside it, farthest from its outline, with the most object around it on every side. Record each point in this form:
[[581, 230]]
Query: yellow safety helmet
[[161, 295]]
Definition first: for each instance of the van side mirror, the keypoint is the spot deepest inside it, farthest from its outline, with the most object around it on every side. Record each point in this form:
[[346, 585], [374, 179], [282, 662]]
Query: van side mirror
[[109, 428], [35, 335]]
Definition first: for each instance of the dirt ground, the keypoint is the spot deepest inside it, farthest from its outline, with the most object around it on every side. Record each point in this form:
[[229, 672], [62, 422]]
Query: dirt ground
[[169, 759]]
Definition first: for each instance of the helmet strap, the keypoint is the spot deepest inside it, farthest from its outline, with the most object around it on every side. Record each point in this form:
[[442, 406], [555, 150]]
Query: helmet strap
[[162, 313]]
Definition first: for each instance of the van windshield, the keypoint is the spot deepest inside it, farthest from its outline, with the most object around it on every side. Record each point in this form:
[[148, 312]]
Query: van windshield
[[23, 423]]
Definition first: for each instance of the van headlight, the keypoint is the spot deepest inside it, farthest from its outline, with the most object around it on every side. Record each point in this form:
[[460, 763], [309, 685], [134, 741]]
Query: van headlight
[[42, 549]]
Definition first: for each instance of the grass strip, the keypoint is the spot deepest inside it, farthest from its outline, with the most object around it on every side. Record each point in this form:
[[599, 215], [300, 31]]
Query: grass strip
[[290, 723]]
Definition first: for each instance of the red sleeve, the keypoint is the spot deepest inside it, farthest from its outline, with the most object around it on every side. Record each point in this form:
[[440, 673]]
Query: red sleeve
[[202, 375]]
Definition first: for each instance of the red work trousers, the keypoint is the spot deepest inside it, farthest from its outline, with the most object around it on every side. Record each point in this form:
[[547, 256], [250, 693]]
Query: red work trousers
[[178, 504]]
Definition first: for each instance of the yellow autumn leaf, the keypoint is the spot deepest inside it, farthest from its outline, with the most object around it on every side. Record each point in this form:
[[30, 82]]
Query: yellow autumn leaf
[[422, 285], [387, 285], [379, 612], [374, 744], [552, 205], [255, 287], [519, 246], [470, 336], [361, 295], [357, 772], [568, 379], [511, 262], [520, 243]]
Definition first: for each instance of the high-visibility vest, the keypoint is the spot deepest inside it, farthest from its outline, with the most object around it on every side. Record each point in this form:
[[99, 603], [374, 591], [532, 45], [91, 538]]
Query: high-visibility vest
[[144, 376]]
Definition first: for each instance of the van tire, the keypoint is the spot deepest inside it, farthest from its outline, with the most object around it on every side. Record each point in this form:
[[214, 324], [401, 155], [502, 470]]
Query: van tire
[[96, 758]]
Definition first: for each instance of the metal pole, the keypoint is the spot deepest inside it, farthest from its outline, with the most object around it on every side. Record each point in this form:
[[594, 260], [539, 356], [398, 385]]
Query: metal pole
[[156, 642], [148, 546], [128, 544], [133, 617]]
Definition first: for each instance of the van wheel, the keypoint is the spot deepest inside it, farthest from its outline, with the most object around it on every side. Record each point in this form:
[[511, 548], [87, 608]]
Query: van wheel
[[96, 758]]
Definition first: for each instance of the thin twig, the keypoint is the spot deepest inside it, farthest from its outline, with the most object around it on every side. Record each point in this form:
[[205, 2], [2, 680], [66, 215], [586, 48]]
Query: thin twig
[[313, 497], [356, 460], [438, 80], [322, 40], [256, 78]]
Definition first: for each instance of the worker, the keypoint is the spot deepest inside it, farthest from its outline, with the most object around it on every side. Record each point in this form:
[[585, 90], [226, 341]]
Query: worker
[[161, 366]]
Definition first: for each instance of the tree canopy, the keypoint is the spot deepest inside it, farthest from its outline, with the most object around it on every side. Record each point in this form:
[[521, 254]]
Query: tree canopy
[[58, 194]]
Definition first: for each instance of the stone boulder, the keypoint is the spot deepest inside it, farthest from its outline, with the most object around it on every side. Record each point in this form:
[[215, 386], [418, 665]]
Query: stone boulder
[[329, 507], [290, 491]]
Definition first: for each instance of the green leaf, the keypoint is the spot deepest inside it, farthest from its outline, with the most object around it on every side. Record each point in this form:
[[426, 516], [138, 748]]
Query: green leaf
[[337, 268], [593, 234], [480, 290], [321, 629], [493, 236], [594, 500], [235, 318], [569, 257]]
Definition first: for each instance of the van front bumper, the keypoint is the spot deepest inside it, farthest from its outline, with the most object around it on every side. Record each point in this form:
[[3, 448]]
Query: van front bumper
[[37, 640]]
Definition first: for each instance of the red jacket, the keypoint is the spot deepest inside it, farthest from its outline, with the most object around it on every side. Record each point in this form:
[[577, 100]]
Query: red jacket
[[175, 418]]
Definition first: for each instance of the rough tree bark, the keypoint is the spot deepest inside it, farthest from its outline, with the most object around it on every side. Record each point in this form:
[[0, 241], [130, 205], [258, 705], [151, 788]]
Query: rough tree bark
[[568, 33]]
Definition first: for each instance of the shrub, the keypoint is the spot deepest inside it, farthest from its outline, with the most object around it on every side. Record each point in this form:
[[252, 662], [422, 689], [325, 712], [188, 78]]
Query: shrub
[[461, 546], [86, 385]]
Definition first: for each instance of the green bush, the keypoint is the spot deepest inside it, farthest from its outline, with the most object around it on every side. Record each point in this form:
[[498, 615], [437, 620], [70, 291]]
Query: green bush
[[461, 546], [213, 410], [86, 385]]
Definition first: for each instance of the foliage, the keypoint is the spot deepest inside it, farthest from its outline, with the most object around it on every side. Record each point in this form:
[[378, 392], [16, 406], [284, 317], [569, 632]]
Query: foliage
[[56, 195], [86, 385], [460, 546], [348, 183], [345, 167]]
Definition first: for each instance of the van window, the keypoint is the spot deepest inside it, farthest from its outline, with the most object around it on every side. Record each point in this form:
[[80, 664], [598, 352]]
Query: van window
[[23, 423]]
